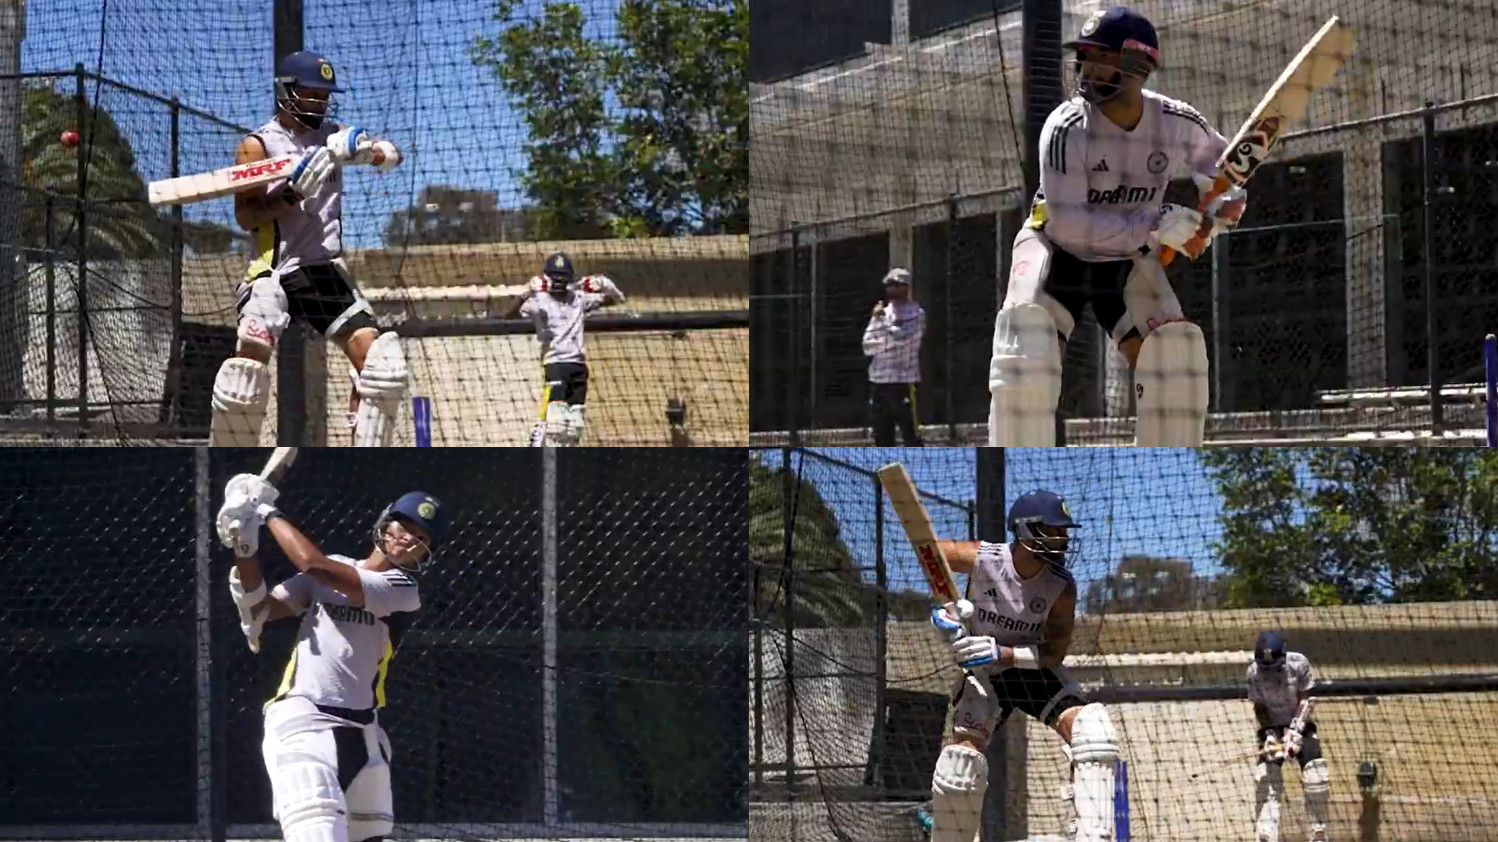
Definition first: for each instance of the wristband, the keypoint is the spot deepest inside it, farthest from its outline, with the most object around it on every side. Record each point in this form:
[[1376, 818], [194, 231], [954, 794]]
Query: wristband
[[1025, 657]]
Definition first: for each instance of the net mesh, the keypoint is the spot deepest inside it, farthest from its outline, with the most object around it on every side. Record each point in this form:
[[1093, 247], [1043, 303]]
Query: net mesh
[[624, 721], [526, 128], [1317, 307], [1377, 564]]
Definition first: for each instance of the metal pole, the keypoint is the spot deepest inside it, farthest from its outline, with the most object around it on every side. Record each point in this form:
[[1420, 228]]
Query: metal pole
[[789, 490], [203, 597], [549, 632], [80, 221], [813, 335], [1432, 344], [759, 683], [49, 237], [793, 375], [990, 516], [1221, 399], [949, 394], [299, 348], [881, 642], [14, 285], [1490, 377], [174, 354]]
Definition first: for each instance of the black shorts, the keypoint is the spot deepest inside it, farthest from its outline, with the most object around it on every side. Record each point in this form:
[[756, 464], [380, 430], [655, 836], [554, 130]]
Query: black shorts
[[567, 382], [320, 296], [1074, 282], [1035, 692], [1310, 744]]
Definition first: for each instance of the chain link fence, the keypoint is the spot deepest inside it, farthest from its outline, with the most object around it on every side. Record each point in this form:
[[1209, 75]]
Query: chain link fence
[[577, 668]]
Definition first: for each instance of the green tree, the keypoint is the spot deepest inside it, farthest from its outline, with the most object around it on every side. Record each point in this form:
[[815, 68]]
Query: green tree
[[828, 589], [672, 157], [121, 224], [447, 215], [1327, 526]]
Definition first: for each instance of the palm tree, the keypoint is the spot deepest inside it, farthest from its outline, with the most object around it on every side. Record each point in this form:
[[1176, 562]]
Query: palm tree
[[120, 222]]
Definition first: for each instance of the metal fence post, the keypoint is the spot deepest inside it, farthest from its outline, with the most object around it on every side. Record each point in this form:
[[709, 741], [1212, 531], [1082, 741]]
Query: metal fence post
[[549, 635], [49, 243], [789, 491], [1427, 245], [169, 394], [80, 223], [949, 396], [793, 374], [881, 641], [1222, 398]]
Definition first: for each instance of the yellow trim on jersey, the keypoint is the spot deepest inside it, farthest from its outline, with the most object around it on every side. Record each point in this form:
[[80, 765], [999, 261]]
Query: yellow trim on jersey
[[266, 237], [287, 677], [1039, 216], [384, 668]]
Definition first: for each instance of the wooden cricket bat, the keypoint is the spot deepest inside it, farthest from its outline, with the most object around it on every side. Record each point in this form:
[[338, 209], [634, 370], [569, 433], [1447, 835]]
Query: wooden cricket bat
[[278, 464], [187, 189], [1312, 68], [918, 528]]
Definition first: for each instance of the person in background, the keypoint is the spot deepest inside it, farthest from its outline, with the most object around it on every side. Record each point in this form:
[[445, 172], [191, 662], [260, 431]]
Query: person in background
[[892, 342]]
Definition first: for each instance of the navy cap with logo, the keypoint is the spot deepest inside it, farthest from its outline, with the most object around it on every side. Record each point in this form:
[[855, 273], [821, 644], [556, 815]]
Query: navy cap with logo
[[1119, 28], [558, 267], [1269, 650], [1043, 507], [307, 69]]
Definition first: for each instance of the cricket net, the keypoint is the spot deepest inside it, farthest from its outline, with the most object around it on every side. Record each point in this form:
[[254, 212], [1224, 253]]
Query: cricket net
[[1347, 305], [576, 670], [117, 315], [1377, 563]]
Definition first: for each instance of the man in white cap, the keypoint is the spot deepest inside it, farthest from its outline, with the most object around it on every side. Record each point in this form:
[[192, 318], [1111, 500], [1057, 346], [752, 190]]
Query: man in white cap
[[892, 342]]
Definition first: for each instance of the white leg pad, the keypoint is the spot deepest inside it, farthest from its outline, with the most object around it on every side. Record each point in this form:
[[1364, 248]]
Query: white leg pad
[[241, 391], [309, 803], [264, 315], [1024, 378], [572, 428], [371, 810], [1170, 387], [382, 386], [957, 788], [1313, 780], [1269, 784], [556, 423], [1094, 748]]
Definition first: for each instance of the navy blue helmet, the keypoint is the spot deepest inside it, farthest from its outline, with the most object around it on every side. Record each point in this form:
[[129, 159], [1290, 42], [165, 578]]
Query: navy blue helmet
[[1116, 29], [1041, 508], [1269, 650], [422, 510]]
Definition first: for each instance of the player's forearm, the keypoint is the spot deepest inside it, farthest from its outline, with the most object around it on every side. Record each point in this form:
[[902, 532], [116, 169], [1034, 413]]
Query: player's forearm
[[962, 556], [307, 558], [249, 572]]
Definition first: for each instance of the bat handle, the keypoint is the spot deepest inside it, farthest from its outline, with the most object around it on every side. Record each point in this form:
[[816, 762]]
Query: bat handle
[[1167, 254]]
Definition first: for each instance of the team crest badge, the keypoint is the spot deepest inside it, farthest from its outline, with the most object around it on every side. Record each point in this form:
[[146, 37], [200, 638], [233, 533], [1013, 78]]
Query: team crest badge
[[1037, 605], [427, 509], [327, 72], [1092, 24], [1065, 508], [558, 263], [1157, 162]]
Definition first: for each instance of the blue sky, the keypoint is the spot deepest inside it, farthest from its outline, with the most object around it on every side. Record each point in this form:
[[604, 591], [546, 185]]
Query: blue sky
[[1131, 501], [405, 65]]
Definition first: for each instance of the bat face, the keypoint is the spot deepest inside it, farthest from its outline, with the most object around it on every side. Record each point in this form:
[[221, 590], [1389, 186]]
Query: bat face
[[248, 172], [210, 185], [1251, 149], [278, 464]]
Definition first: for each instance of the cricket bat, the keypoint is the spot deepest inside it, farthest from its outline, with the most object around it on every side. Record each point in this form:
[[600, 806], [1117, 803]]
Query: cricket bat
[[187, 189], [917, 522], [278, 464], [1312, 68]]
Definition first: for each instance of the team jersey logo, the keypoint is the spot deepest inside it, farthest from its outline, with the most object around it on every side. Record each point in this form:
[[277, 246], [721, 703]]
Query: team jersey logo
[[1037, 605], [1157, 162]]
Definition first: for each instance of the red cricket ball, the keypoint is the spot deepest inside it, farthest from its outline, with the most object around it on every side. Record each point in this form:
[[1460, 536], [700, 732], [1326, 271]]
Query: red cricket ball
[[70, 138]]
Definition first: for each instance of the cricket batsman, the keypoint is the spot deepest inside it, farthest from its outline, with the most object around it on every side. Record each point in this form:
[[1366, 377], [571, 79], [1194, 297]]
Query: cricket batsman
[[326, 754], [558, 301], [1020, 624], [1096, 227], [299, 270], [1279, 685]]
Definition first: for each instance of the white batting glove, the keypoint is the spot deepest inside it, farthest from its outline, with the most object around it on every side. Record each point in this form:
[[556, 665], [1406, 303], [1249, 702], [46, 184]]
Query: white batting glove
[[388, 156], [1177, 225], [248, 499], [538, 284], [309, 174], [1226, 209], [1273, 750], [350, 145], [1292, 742], [975, 652]]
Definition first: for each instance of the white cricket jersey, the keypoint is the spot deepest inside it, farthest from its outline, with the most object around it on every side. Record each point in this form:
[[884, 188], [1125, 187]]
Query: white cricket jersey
[[1101, 186], [1277, 689], [341, 650], [311, 232], [1011, 609], [559, 323], [892, 342]]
